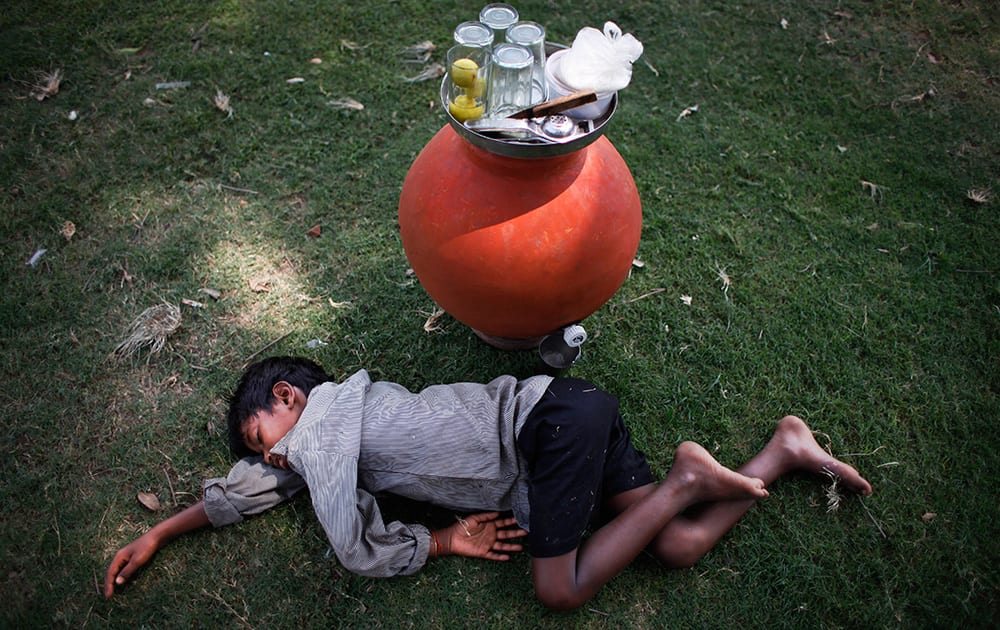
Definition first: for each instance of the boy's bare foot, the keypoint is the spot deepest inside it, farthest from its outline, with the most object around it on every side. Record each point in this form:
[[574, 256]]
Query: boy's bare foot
[[798, 450], [701, 478]]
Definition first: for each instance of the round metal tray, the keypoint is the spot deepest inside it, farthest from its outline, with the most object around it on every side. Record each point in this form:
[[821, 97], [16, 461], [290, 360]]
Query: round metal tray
[[514, 148]]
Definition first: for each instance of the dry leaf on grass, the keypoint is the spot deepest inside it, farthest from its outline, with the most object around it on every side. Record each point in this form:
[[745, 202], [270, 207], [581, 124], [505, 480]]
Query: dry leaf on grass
[[149, 501], [221, 102], [33, 261], [260, 284], [687, 111], [433, 71], [346, 103], [150, 329], [727, 281], [979, 195], [315, 231], [431, 325], [832, 492], [48, 85], [419, 53], [874, 189], [349, 45]]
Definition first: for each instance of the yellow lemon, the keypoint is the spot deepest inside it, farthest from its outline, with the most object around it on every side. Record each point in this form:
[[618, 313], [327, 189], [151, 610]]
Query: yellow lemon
[[463, 72], [465, 108], [478, 88]]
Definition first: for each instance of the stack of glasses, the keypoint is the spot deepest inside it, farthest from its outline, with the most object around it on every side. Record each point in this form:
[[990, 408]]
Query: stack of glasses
[[497, 65]]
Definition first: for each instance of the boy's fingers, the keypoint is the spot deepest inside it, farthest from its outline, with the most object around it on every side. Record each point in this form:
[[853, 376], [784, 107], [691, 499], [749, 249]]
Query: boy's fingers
[[110, 578], [484, 517], [511, 533]]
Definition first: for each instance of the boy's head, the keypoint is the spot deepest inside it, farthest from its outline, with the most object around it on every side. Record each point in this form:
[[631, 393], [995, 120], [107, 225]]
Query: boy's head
[[255, 392]]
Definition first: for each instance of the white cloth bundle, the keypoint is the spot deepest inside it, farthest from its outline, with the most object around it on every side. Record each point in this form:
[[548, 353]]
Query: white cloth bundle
[[599, 61]]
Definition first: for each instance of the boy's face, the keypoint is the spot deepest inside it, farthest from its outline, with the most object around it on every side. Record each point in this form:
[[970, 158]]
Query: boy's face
[[263, 430]]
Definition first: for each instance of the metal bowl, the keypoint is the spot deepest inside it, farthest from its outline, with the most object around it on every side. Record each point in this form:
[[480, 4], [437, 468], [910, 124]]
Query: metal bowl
[[512, 147]]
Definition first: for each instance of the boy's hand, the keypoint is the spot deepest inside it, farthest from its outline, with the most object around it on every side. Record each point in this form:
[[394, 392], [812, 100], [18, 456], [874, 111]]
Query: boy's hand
[[483, 536], [128, 560]]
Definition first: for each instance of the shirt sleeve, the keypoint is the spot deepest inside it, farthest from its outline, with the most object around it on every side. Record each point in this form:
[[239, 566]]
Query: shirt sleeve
[[363, 542], [250, 487]]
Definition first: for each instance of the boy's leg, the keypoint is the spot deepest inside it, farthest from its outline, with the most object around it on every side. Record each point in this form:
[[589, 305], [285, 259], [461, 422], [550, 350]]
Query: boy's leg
[[689, 536], [569, 580]]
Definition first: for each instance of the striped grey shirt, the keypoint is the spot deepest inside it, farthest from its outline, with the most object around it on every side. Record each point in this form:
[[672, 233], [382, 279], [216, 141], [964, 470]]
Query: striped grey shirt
[[450, 445]]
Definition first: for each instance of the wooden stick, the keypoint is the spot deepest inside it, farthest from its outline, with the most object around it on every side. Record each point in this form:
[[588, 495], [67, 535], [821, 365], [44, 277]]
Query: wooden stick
[[556, 105]]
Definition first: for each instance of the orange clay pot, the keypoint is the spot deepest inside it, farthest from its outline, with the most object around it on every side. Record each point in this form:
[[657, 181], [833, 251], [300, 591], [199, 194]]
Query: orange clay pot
[[515, 248]]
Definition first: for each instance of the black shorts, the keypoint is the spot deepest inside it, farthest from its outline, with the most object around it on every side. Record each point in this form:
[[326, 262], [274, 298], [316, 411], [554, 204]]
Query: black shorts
[[578, 450]]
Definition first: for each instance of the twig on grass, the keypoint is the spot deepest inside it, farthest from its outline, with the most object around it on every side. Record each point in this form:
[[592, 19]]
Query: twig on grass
[[234, 189], [170, 485], [870, 516], [55, 525], [877, 449], [250, 358], [645, 295], [228, 607]]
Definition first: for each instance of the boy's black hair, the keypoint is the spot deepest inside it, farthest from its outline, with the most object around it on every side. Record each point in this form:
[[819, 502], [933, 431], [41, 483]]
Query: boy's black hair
[[253, 392]]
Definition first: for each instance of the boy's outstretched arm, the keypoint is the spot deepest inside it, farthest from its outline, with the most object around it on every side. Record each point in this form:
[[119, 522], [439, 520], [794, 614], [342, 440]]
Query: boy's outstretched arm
[[134, 555]]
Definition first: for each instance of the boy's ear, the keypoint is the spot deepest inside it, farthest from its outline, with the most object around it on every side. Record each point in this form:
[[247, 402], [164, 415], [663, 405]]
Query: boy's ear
[[284, 393]]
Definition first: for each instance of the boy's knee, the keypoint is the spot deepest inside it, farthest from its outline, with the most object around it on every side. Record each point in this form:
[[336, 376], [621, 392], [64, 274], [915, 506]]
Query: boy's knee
[[681, 551], [554, 597]]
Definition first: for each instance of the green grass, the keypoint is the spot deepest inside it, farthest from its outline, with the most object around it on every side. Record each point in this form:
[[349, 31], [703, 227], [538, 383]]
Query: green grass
[[871, 313]]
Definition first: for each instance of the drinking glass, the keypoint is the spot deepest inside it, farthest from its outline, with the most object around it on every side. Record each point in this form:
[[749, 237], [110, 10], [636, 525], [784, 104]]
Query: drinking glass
[[499, 17], [531, 35], [510, 80], [468, 81]]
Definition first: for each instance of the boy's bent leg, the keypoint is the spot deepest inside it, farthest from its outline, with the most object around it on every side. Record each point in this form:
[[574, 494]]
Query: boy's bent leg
[[567, 581], [690, 536]]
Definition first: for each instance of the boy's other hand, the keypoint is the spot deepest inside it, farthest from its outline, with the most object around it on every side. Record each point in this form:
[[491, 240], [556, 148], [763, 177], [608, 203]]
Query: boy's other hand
[[127, 561], [484, 536]]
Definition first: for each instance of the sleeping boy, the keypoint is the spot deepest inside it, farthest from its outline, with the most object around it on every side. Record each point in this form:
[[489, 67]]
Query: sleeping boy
[[553, 452]]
